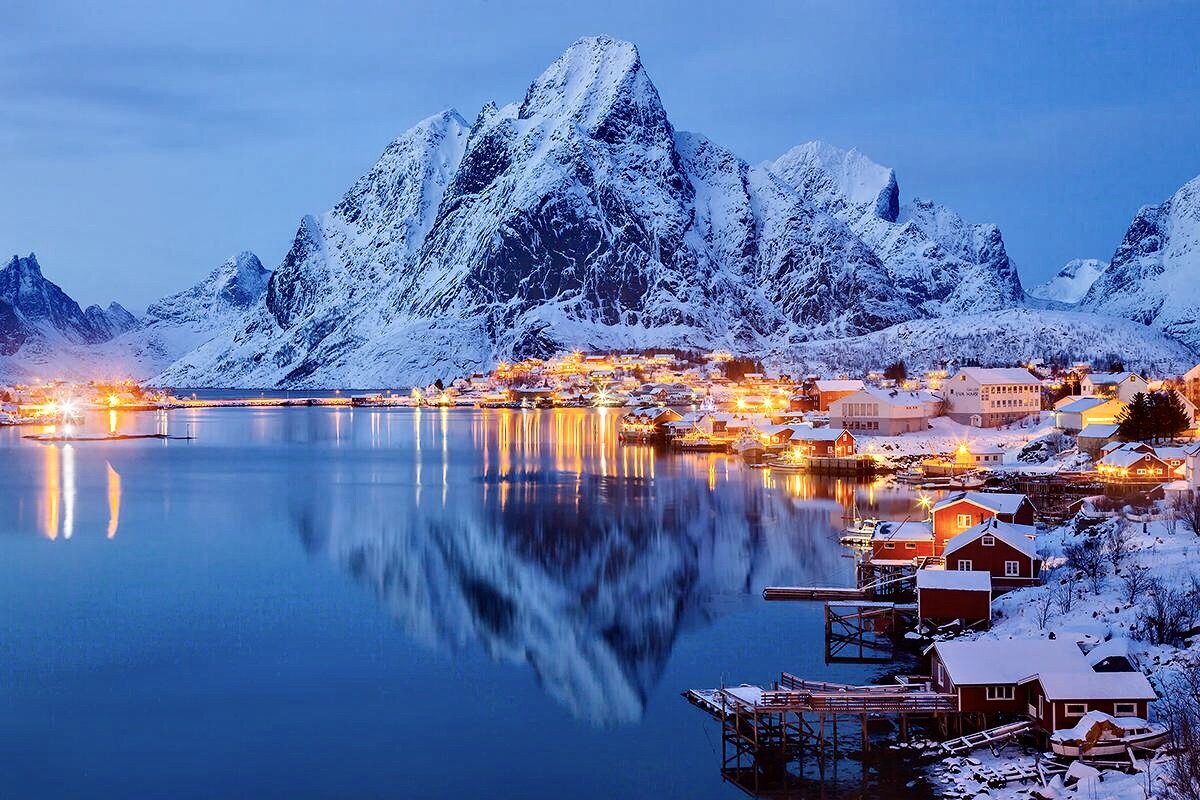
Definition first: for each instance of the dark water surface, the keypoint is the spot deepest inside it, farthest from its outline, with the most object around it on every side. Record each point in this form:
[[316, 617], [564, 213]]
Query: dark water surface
[[318, 602]]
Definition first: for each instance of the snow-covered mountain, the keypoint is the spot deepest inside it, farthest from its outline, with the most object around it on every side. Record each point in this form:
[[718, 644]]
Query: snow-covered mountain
[[579, 217], [42, 331], [36, 316], [1071, 283], [1154, 276]]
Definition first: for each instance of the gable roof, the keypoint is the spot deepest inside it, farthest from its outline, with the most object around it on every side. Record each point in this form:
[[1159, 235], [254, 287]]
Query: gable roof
[[1097, 430], [806, 434], [1088, 685], [1013, 535], [1126, 458], [1006, 661], [966, 580], [838, 386], [1084, 404], [1002, 375], [999, 502], [895, 397], [1111, 378], [907, 531]]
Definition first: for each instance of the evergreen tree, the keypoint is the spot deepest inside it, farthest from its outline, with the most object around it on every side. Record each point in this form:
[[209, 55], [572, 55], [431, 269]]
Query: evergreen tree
[[897, 371], [1168, 415], [1134, 422]]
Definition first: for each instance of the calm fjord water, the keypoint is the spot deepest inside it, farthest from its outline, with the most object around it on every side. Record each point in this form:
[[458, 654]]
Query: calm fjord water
[[316, 602]]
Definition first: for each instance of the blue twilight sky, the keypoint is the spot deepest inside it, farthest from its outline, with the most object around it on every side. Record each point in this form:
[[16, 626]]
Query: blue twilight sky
[[142, 143]]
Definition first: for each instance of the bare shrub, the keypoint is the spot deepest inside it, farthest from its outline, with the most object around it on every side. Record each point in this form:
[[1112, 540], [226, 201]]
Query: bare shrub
[[1118, 543], [1087, 557], [1135, 583], [1167, 615], [1180, 710]]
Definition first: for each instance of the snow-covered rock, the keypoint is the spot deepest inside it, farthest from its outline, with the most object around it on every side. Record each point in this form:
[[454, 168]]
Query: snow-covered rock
[[36, 307], [1070, 283], [1154, 276]]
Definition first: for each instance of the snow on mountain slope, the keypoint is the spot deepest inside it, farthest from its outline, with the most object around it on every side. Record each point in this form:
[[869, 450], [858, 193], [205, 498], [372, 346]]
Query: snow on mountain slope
[[939, 263], [580, 218], [1154, 275], [1071, 282], [997, 338], [136, 347]]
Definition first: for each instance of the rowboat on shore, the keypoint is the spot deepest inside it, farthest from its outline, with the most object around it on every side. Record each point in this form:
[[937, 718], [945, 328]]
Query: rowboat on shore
[[1099, 735]]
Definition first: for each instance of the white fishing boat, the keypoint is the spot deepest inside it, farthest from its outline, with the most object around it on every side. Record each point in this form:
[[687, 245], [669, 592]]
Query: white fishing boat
[[1099, 735]]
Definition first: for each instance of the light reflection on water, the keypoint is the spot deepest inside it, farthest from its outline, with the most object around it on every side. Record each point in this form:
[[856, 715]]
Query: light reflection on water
[[611, 576]]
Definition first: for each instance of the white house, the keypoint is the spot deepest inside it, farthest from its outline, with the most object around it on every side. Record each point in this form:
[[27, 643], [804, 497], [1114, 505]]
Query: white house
[[1122, 385], [886, 412], [988, 398], [1084, 411]]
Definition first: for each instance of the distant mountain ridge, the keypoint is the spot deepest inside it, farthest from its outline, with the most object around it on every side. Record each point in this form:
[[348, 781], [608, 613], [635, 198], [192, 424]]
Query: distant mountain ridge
[[1071, 283]]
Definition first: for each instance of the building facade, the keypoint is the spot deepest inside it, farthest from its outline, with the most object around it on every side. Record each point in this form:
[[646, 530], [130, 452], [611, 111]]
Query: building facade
[[988, 398]]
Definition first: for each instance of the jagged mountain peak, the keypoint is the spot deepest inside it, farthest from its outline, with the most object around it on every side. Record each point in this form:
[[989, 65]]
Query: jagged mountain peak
[[1154, 275], [1071, 283], [41, 308], [589, 81], [838, 175], [235, 285]]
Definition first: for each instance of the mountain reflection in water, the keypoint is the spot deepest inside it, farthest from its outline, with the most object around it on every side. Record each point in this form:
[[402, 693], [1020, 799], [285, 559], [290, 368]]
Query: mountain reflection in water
[[560, 548]]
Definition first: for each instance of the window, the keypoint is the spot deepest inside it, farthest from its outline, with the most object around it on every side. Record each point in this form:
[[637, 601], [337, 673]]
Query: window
[[964, 520], [964, 564], [941, 675], [1000, 693], [1075, 709], [889, 545], [1125, 709], [910, 545], [988, 541], [1012, 569]]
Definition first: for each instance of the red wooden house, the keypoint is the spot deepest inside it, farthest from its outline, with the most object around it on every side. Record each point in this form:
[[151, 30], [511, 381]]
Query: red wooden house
[[1004, 550], [901, 541], [826, 442], [947, 595], [956, 513], [1057, 700]]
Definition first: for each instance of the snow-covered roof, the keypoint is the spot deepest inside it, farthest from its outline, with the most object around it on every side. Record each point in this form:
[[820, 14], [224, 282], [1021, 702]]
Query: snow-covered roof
[[1124, 458], [1077, 684], [999, 502], [908, 531], [839, 386], [1118, 646], [966, 580], [1084, 404], [1111, 378], [1096, 430], [897, 397], [805, 434], [1003, 375], [1013, 535], [1005, 661]]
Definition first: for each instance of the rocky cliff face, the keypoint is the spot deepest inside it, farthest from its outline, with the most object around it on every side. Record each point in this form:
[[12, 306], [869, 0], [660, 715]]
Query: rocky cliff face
[[1154, 275], [579, 217], [33, 306]]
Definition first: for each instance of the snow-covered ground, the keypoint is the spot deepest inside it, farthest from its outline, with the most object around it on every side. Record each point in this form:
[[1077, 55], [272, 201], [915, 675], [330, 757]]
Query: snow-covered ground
[[945, 435], [1155, 551]]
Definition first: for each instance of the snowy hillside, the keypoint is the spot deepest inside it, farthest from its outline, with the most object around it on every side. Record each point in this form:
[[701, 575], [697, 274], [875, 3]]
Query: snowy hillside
[[1070, 283], [579, 217], [1154, 277], [997, 338]]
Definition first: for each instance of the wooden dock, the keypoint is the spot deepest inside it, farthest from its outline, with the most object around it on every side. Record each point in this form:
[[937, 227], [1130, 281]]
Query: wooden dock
[[812, 593]]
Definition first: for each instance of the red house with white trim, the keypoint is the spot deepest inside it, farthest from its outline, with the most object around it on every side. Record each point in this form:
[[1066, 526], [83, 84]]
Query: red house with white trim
[[948, 595], [956, 513], [1005, 550]]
